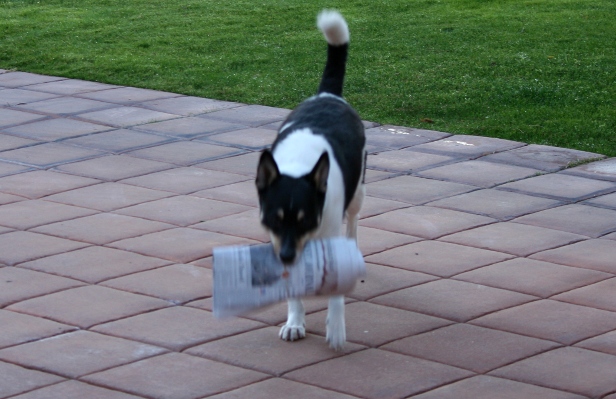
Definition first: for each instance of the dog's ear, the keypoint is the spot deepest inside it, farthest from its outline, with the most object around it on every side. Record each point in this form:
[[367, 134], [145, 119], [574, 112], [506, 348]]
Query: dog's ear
[[320, 172], [267, 171]]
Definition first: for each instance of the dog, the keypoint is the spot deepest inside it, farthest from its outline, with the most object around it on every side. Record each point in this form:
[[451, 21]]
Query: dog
[[312, 177]]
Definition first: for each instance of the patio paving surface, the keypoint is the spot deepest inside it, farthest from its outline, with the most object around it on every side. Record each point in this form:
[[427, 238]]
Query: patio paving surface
[[491, 263]]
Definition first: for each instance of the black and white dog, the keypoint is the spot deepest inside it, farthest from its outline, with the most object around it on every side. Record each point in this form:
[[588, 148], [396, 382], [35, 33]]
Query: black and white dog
[[313, 175]]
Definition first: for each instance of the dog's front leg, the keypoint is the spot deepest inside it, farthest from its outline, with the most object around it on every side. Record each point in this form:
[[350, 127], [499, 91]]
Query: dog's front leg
[[295, 327], [336, 330]]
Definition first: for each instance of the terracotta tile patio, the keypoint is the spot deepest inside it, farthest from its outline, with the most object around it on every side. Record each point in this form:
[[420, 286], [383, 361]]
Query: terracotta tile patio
[[491, 264]]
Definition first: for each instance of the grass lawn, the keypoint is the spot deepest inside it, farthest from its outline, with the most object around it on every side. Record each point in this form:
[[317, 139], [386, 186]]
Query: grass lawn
[[538, 71]]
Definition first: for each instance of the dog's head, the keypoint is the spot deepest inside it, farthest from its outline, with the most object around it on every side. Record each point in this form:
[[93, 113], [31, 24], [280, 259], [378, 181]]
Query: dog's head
[[291, 207]]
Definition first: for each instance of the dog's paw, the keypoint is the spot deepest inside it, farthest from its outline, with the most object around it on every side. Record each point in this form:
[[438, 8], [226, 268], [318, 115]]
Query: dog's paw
[[292, 332], [336, 334]]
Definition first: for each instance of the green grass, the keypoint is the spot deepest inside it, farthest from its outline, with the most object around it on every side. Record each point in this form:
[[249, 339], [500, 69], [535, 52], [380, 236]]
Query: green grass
[[538, 71]]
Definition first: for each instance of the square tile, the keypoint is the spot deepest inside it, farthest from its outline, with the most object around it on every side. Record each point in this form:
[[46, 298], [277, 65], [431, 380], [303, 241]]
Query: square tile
[[19, 328], [415, 190], [605, 343], [373, 175], [577, 370], [610, 236], [252, 115], [74, 390], [470, 347], [175, 376], [245, 164], [437, 258], [605, 201], [187, 105], [90, 305], [496, 204], [18, 284], [381, 280], [425, 222], [11, 97], [119, 141], [373, 206], [547, 319], [127, 95], [405, 161], [102, 228], [453, 300], [70, 86], [398, 137], [185, 152], [375, 373], [8, 142], [114, 167], [7, 169], [590, 254], [108, 196], [24, 215], [180, 245], [374, 325], [48, 155], [244, 224], [9, 198], [175, 283], [55, 129], [541, 157], [513, 238], [126, 116], [579, 219], [559, 186], [42, 183], [185, 180], [246, 350], [9, 117], [244, 193], [478, 173], [189, 128], [78, 353], [486, 387], [15, 380], [601, 295], [604, 169], [65, 106], [250, 139], [468, 146], [183, 210], [17, 79], [102, 264], [532, 277], [279, 387], [375, 240], [176, 328], [22, 246]]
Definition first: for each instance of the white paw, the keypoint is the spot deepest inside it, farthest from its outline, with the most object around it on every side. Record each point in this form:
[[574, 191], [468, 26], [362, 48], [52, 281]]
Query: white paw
[[336, 333], [292, 332]]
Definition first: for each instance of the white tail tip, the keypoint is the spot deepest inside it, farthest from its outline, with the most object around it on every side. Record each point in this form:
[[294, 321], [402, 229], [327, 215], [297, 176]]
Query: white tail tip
[[334, 27]]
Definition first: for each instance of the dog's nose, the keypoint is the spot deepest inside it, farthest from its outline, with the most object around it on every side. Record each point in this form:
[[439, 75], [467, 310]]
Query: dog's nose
[[287, 255]]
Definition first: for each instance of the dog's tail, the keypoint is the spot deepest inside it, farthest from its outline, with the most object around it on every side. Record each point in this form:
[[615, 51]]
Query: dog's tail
[[336, 32]]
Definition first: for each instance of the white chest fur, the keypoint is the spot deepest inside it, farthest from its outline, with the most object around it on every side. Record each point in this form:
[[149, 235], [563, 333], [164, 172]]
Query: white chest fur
[[296, 156]]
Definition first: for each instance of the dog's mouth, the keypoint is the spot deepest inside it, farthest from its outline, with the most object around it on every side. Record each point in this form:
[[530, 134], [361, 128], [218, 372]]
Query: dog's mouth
[[288, 250]]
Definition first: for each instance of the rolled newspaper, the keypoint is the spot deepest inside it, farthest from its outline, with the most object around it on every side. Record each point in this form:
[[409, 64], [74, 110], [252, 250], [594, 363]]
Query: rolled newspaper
[[249, 277]]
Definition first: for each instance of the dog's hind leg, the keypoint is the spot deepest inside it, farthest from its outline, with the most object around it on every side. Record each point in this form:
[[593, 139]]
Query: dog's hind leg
[[352, 213], [295, 327]]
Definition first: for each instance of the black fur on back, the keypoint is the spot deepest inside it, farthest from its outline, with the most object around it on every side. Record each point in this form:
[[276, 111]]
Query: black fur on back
[[341, 126]]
